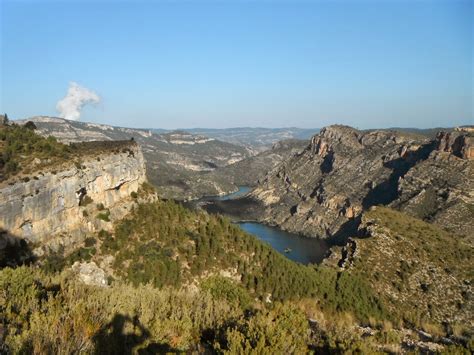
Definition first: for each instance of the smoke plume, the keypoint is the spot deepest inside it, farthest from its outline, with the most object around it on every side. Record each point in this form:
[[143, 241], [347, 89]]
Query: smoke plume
[[77, 96]]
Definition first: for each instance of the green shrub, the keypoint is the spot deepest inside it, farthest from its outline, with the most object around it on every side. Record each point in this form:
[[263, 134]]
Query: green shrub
[[223, 288], [282, 330], [104, 216]]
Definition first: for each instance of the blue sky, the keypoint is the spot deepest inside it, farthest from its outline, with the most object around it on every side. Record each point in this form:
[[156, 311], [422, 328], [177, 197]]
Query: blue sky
[[175, 64]]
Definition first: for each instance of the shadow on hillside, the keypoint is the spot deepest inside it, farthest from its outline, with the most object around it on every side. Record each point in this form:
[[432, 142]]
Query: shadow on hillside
[[123, 335], [384, 193], [244, 208], [14, 251], [347, 230], [387, 191]]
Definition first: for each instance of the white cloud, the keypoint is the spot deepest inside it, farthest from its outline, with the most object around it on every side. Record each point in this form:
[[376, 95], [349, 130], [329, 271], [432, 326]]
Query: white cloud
[[77, 96]]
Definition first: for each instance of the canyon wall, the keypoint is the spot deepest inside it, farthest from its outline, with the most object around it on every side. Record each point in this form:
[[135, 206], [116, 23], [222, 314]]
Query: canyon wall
[[59, 201], [322, 191]]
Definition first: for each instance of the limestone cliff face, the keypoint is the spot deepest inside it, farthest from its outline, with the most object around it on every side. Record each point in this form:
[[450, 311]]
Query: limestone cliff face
[[46, 204], [460, 143], [323, 190]]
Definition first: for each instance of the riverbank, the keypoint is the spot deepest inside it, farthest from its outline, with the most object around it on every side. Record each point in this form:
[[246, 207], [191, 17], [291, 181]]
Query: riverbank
[[246, 212]]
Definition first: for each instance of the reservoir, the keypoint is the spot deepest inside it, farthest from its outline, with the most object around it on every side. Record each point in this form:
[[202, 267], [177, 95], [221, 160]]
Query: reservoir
[[295, 247], [302, 249], [242, 191]]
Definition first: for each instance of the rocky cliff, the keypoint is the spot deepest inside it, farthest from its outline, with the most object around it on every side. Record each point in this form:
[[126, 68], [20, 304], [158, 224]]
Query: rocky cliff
[[440, 190], [50, 206], [323, 190]]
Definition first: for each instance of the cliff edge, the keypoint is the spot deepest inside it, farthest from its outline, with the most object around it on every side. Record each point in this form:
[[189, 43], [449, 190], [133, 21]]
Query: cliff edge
[[59, 204]]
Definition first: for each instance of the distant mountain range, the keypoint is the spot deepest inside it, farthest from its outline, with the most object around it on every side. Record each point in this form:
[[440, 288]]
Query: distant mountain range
[[191, 163], [255, 137], [177, 162]]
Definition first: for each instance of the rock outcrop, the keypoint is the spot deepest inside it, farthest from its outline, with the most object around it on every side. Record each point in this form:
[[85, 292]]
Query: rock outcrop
[[322, 191], [90, 274], [459, 143], [51, 205]]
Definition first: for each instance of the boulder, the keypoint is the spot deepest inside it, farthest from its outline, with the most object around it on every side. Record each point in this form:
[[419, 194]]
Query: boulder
[[90, 273]]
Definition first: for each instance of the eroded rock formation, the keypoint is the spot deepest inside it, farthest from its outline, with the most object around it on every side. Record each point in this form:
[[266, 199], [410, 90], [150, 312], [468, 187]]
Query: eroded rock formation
[[51, 205], [322, 191], [342, 171]]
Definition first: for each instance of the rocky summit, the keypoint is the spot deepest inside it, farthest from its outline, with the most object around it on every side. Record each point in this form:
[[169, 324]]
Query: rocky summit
[[323, 191]]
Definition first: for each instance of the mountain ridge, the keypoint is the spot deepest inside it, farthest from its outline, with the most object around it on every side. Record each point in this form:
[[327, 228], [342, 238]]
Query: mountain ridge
[[323, 190]]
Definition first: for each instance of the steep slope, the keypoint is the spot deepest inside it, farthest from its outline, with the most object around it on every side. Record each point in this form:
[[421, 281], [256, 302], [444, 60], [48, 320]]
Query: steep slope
[[342, 172], [323, 190], [441, 188], [178, 163], [249, 171], [422, 272], [52, 201]]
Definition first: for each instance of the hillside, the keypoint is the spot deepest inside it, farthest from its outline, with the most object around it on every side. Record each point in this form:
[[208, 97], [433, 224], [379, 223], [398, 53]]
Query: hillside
[[177, 162], [255, 138], [226, 288], [322, 191], [109, 266], [421, 271], [249, 171]]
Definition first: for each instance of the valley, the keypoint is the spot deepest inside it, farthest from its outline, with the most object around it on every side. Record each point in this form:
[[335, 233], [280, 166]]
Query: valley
[[183, 165], [295, 247], [357, 227], [236, 177]]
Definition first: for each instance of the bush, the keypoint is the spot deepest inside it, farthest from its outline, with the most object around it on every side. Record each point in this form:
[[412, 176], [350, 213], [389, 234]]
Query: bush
[[223, 288], [104, 216], [282, 330]]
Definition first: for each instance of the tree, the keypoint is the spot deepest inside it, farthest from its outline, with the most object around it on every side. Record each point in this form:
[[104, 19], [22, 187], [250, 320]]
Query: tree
[[30, 125], [4, 119]]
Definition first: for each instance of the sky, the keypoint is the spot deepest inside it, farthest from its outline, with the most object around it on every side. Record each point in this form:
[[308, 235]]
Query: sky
[[218, 64]]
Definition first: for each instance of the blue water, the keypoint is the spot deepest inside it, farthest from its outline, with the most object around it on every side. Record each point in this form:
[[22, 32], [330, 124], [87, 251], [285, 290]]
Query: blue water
[[303, 250], [243, 190]]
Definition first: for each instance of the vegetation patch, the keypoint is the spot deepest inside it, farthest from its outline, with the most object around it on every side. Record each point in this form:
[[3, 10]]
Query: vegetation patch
[[421, 272], [22, 150]]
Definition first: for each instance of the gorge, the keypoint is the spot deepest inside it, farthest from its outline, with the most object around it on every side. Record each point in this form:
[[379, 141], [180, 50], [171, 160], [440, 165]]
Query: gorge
[[385, 218], [295, 247]]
